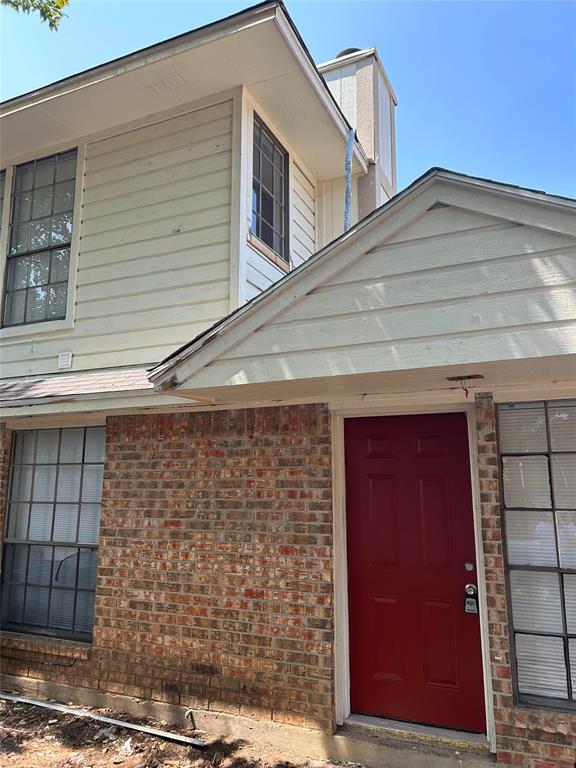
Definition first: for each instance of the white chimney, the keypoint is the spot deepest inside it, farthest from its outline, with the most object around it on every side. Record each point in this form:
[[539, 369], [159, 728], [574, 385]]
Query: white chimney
[[361, 87]]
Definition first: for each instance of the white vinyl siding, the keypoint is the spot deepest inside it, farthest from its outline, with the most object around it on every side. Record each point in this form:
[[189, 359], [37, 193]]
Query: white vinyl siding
[[153, 265], [454, 286], [303, 232]]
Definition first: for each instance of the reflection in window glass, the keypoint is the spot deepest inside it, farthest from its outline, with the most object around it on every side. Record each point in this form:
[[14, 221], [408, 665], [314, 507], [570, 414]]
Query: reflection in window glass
[[40, 238]]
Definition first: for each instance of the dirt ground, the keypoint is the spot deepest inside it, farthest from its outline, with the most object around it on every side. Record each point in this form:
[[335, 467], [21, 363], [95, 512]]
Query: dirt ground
[[31, 737]]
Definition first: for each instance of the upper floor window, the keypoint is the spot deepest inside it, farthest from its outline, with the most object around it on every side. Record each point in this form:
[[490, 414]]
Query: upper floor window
[[538, 454], [39, 240], [51, 543], [270, 190]]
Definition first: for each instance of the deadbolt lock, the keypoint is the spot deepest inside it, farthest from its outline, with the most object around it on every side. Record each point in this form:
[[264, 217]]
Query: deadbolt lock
[[471, 601]]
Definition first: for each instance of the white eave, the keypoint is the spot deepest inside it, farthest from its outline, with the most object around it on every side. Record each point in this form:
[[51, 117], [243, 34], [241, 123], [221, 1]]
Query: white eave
[[258, 48]]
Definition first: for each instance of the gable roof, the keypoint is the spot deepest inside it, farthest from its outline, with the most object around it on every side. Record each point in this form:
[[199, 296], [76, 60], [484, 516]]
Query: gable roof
[[436, 188], [259, 47]]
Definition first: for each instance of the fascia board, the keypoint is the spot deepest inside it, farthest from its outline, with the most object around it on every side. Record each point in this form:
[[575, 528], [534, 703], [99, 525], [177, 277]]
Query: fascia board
[[521, 206]]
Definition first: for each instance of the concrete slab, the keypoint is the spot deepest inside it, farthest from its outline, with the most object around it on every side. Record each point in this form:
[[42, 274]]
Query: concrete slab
[[352, 744]]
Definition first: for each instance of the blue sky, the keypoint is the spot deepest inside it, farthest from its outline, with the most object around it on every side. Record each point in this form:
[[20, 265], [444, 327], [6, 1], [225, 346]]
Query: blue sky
[[486, 88]]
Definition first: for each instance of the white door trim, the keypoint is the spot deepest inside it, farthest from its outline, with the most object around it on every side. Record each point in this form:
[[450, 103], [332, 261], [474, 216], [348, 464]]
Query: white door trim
[[341, 635]]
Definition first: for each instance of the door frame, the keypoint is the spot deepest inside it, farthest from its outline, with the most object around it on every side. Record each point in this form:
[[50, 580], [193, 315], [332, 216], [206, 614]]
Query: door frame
[[341, 637]]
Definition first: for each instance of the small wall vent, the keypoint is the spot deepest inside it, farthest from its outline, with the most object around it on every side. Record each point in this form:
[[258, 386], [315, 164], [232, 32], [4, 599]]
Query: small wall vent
[[65, 360]]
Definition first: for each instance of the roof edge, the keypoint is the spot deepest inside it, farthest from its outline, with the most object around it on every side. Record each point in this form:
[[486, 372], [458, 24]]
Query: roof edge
[[122, 62]]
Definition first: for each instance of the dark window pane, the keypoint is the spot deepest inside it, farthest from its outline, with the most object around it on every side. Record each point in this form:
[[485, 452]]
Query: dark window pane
[[267, 175], [48, 582], [39, 234], [64, 196], [39, 269], [45, 172], [18, 271], [57, 301], [42, 208], [270, 161], [84, 611], [16, 604], [62, 609], [267, 208], [20, 239], [42, 202], [61, 228], [266, 234], [87, 569], [40, 565], [60, 265], [15, 307], [36, 606], [65, 567]]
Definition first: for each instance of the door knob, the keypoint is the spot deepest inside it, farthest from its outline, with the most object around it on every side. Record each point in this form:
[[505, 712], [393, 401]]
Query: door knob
[[471, 602]]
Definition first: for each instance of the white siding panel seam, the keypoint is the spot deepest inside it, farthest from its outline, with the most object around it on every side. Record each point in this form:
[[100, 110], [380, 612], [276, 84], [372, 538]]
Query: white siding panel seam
[[205, 281], [458, 266], [148, 291], [146, 214], [163, 160], [492, 331], [160, 127], [455, 234], [108, 190], [185, 195], [183, 137], [425, 303], [86, 243], [159, 254]]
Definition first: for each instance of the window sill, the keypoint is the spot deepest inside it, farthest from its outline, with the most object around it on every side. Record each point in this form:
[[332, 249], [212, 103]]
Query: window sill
[[264, 250], [54, 646], [31, 329]]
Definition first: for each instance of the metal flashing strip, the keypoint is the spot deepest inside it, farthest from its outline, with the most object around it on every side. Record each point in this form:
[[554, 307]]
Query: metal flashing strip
[[168, 735]]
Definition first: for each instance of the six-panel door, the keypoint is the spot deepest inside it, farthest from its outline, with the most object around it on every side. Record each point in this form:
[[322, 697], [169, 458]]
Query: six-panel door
[[414, 652]]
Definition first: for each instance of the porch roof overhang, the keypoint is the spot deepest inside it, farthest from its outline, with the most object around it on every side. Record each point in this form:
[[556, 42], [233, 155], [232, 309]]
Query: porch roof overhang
[[192, 371], [259, 48]]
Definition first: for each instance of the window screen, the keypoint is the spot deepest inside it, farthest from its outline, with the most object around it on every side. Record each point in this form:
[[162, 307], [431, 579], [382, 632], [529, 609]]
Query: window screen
[[538, 454], [51, 539], [270, 190], [40, 236]]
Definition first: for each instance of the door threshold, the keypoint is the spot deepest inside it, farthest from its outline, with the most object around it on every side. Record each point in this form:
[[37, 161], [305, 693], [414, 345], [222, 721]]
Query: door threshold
[[428, 734]]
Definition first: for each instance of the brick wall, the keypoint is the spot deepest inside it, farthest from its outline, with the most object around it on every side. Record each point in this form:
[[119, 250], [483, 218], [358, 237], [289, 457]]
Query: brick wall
[[526, 736], [215, 567]]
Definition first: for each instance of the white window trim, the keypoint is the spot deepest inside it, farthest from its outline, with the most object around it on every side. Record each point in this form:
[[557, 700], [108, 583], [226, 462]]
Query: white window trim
[[49, 326]]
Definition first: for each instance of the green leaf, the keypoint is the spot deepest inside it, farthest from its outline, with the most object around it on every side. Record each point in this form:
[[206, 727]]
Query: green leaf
[[51, 11]]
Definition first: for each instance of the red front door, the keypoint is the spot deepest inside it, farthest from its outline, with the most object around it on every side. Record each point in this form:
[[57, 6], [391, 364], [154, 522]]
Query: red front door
[[414, 652]]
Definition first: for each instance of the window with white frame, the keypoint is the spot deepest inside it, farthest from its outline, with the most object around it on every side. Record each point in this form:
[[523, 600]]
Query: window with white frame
[[51, 542], [538, 455], [39, 241], [270, 190]]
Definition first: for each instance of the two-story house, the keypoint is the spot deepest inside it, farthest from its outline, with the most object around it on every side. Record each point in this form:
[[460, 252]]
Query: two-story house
[[257, 465]]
